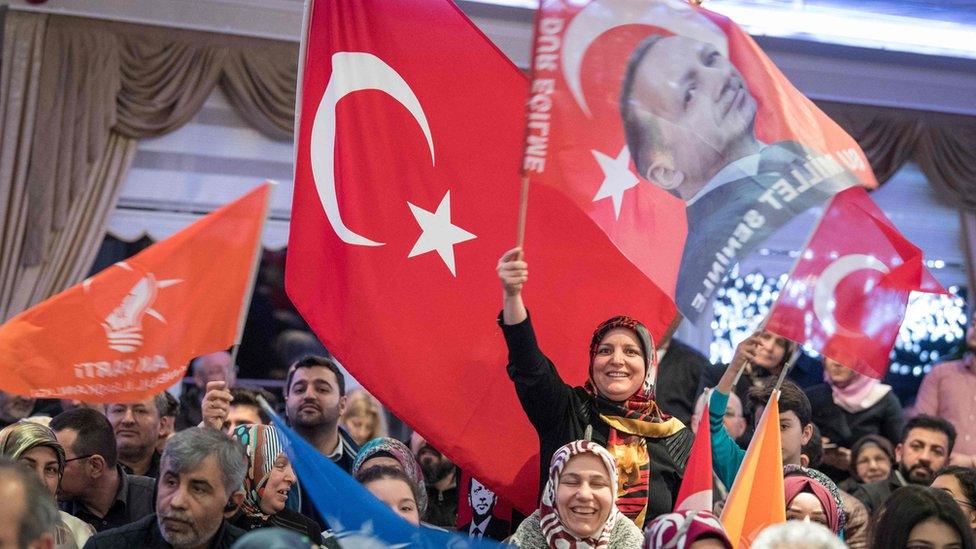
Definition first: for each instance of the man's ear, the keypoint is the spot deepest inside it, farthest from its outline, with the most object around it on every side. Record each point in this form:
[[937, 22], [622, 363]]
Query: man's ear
[[804, 460], [662, 173], [97, 466], [807, 433], [898, 448], [342, 404]]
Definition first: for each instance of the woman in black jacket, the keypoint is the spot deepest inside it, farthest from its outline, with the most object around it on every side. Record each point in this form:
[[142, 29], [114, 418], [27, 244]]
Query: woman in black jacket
[[615, 408]]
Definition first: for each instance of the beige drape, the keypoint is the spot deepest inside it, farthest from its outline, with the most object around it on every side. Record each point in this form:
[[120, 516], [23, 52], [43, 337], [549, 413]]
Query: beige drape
[[76, 95]]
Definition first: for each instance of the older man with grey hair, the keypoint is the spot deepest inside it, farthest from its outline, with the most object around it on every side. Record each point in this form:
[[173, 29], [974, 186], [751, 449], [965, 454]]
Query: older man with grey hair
[[29, 517], [200, 476], [796, 534]]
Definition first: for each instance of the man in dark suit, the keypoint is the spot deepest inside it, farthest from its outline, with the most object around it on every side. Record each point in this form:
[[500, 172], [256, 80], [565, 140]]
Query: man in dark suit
[[679, 372], [689, 122], [483, 523]]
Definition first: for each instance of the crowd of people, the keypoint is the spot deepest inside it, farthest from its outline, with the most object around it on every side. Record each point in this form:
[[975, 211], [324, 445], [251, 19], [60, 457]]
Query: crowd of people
[[208, 470]]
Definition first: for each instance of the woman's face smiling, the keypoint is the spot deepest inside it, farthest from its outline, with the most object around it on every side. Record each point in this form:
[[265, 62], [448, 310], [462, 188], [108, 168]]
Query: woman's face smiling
[[274, 495], [618, 367], [584, 497]]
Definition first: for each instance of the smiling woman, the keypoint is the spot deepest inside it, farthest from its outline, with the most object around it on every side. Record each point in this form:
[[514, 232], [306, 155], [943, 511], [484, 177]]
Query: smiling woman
[[578, 504], [616, 408], [267, 484]]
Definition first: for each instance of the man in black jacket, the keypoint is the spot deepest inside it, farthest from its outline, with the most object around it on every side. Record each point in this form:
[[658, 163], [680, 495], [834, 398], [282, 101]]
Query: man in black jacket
[[925, 447], [678, 376], [201, 472]]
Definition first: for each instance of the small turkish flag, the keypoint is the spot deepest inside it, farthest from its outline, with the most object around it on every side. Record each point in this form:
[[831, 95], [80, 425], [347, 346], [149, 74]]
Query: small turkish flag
[[695, 493], [127, 332], [848, 291], [406, 194]]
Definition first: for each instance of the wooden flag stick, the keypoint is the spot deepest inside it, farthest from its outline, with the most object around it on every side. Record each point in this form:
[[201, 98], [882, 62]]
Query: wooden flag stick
[[786, 368], [523, 209]]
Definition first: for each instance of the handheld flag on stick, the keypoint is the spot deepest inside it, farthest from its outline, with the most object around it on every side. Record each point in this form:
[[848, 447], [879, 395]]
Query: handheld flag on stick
[[695, 493], [757, 498], [847, 296], [127, 332], [406, 194], [357, 518], [685, 175]]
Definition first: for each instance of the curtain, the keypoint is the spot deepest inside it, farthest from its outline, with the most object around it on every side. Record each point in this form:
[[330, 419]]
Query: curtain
[[75, 96]]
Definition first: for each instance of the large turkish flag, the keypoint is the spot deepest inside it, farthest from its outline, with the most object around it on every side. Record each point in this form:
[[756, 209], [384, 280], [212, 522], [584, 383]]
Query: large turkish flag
[[721, 150], [406, 195], [848, 291]]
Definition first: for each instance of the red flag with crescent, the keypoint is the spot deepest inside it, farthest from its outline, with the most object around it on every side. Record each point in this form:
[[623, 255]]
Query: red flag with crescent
[[406, 194], [128, 332], [677, 136], [846, 296]]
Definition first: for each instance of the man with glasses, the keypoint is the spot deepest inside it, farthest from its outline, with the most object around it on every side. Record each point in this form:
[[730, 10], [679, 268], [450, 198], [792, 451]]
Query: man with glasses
[[94, 487]]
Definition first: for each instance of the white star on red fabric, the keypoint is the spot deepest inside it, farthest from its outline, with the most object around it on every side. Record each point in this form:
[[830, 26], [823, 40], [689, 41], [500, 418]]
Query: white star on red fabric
[[439, 234], [617, 177]]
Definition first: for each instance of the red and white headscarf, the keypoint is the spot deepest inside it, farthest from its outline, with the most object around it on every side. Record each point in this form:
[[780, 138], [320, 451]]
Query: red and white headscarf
[[552, 527], [680, 529]]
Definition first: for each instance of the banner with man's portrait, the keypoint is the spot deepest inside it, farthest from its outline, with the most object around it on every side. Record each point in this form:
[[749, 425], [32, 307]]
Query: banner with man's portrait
[[675, 133]]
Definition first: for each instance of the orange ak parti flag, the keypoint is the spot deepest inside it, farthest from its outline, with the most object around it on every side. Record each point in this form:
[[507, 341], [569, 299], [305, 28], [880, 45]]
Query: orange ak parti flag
[[129, 331], [757, 498]]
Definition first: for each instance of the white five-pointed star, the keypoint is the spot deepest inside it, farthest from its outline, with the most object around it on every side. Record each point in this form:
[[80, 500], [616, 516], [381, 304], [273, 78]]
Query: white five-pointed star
[[439, 234], [617, 177]]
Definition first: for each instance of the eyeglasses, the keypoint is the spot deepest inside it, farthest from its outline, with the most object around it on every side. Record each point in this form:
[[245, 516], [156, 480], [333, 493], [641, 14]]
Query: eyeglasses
[[86, 456]]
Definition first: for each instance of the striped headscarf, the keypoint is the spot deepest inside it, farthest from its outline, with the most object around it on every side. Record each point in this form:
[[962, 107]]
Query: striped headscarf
[[391, 447], [262, 445], [552, 527]]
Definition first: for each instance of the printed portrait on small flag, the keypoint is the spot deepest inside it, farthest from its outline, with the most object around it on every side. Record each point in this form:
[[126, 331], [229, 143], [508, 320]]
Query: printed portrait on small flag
[[669, 126]]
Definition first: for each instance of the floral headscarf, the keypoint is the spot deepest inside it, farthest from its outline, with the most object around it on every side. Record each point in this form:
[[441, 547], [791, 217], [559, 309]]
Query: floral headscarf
[[679, 530], [552, 527], [391, 447], [631, 422], [262, 445], [801, 479]]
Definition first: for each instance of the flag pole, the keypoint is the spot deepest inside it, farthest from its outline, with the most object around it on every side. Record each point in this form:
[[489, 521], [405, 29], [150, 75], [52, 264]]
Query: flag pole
[[523, 210], [524, 192], [252, 277]]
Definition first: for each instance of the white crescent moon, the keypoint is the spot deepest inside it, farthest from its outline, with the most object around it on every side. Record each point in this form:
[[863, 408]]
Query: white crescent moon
[[602, 15], [351, 72], [824, 300]]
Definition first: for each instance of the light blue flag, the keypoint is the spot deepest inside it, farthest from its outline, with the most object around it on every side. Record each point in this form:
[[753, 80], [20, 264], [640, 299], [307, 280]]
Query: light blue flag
[[356, 517]]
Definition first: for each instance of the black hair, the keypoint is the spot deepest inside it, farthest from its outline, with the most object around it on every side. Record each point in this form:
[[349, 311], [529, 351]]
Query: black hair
[[313, 361], [95, 433], [966, 477], [910, 505], [931, 423], [791, 399], [813, 449], [168, 405], [249, 397], [379, 472]]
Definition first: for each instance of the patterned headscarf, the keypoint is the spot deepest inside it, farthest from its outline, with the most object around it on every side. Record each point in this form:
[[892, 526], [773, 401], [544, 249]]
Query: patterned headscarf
[[391, 447], [552, 527], [631, 422], [679, 530], [801, 479], [262, 445], [18, 438]]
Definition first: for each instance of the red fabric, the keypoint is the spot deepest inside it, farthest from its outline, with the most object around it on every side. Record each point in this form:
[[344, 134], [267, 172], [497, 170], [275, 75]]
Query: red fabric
[[421, 338], [128, 332], [838, 299], [695, 493], [569, 142]]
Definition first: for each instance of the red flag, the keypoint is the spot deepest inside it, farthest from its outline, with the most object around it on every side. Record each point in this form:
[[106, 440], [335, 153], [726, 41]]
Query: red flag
[[406, 194], [672, 130], [756, 499], [695, 493], [128, 332], [847, 294]]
